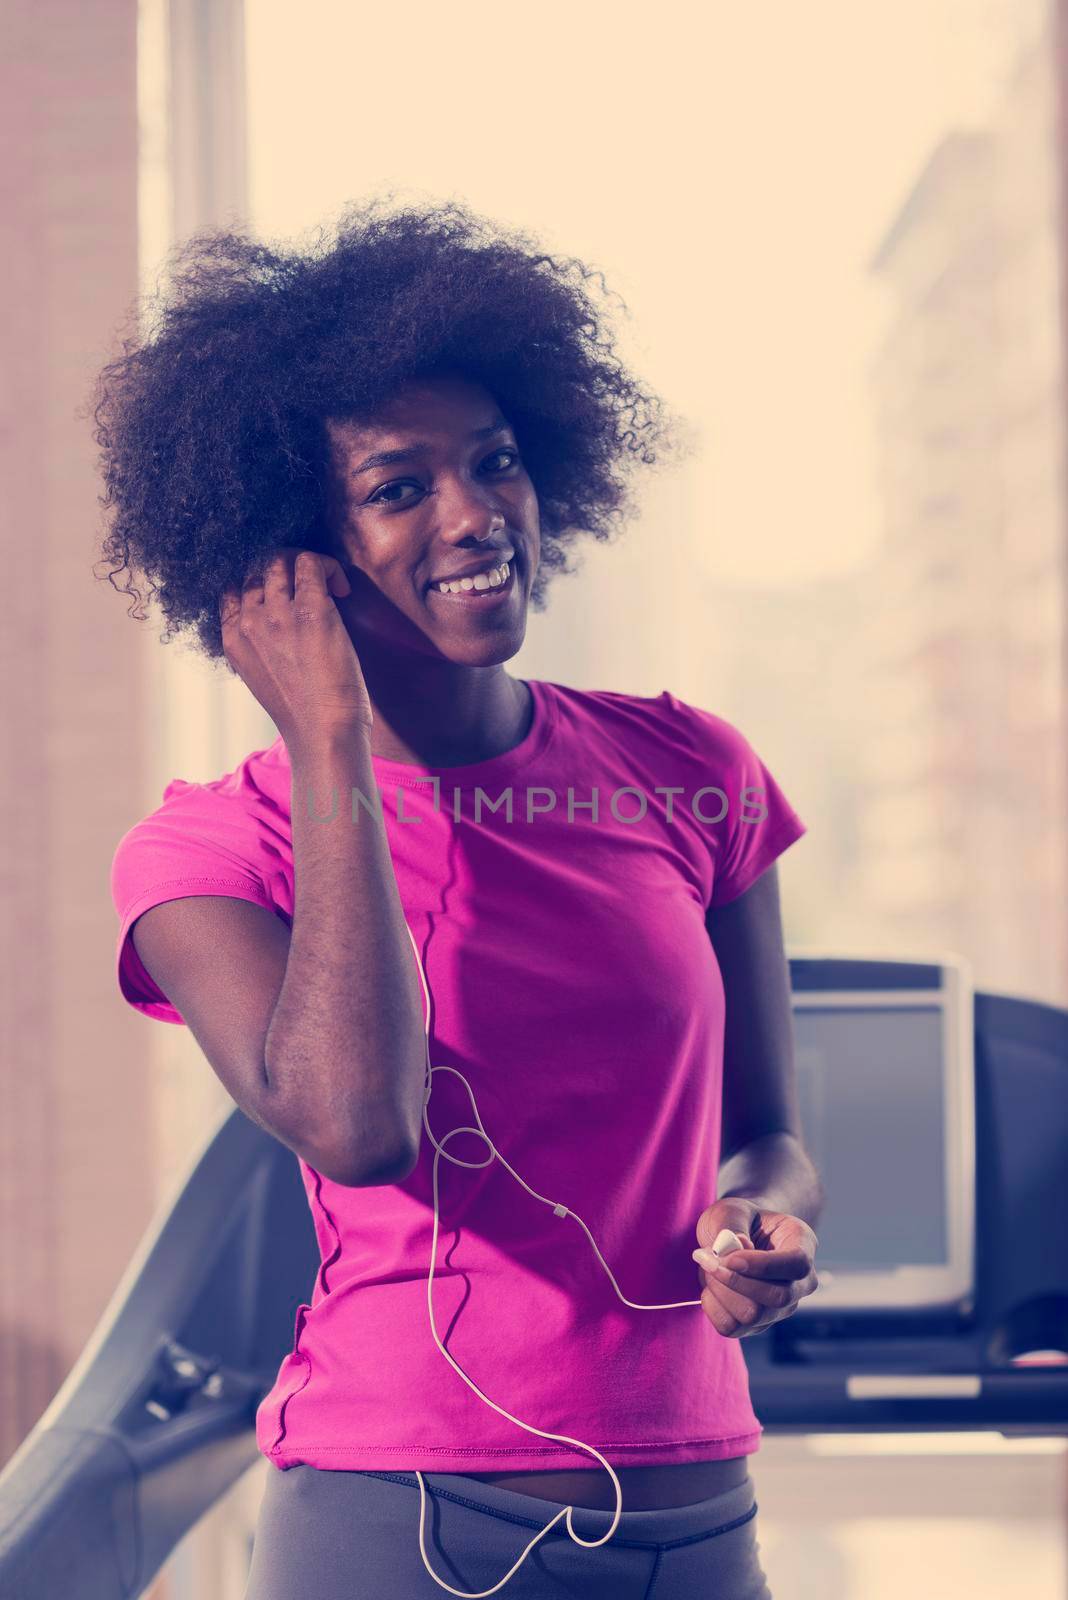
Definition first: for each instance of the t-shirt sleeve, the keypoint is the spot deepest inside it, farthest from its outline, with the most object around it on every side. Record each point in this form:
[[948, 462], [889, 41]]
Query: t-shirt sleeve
[[758, 823], [197, 842]]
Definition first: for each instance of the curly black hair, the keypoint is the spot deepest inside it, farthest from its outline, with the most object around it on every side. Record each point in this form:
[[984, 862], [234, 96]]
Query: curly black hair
[[213, 448]]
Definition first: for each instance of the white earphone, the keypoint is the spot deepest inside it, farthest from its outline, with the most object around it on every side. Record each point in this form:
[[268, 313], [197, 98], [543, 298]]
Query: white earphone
[[725, 1241]]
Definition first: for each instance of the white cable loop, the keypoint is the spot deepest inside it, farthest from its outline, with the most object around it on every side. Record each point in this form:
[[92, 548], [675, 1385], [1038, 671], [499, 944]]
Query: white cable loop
[[559, 1210]]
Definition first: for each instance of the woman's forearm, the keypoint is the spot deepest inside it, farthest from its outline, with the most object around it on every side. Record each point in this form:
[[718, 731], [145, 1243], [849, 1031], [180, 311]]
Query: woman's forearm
[[346, 1046], [776, 1173]]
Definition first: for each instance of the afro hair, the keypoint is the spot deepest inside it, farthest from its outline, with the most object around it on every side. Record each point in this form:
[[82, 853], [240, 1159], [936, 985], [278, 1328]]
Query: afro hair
[[213, 448]]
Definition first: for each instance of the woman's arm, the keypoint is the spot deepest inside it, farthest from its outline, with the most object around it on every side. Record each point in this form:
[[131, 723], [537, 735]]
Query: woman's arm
[[346, 1041], [762, 1155]]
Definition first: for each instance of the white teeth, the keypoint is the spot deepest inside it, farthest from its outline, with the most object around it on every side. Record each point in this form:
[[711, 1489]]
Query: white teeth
[[482, 580]]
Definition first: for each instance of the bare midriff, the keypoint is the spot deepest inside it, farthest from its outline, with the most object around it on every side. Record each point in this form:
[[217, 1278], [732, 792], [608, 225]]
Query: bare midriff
[[643, 1488]]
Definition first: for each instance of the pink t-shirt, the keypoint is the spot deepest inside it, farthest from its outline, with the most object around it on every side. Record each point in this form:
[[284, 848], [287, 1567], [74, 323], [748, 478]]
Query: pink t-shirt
[[573, 983]]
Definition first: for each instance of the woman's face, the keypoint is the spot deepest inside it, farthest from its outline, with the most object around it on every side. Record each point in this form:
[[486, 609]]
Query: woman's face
[[459, 502]]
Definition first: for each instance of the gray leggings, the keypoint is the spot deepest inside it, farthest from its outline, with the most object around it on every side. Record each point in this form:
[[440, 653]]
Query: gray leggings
[[355, 1536]]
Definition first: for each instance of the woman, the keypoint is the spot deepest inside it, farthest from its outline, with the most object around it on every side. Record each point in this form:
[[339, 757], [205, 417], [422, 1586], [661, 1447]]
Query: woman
[[351, 472]]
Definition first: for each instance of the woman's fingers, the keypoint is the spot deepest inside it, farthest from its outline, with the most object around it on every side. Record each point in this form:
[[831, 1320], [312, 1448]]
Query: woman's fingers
[[728, 1311], [765, 1292]]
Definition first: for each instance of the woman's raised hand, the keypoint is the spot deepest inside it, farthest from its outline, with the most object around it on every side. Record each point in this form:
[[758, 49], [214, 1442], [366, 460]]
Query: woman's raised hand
[[285, 638]]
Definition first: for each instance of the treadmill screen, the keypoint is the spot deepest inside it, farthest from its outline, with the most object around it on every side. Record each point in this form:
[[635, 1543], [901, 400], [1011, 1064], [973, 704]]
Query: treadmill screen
[[870, 1081]]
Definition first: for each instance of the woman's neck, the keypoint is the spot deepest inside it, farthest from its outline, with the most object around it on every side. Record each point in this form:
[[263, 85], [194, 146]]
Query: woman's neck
[[448, 718]]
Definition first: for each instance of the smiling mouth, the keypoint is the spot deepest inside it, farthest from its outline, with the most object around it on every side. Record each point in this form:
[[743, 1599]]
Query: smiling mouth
[[467, 594]]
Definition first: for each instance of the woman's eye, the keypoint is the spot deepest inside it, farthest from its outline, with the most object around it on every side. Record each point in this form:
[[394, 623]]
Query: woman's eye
[[399, 483]]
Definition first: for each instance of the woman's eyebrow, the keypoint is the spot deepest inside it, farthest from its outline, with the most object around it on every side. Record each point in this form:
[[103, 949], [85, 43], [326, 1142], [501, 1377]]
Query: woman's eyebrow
[[386, 458]]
